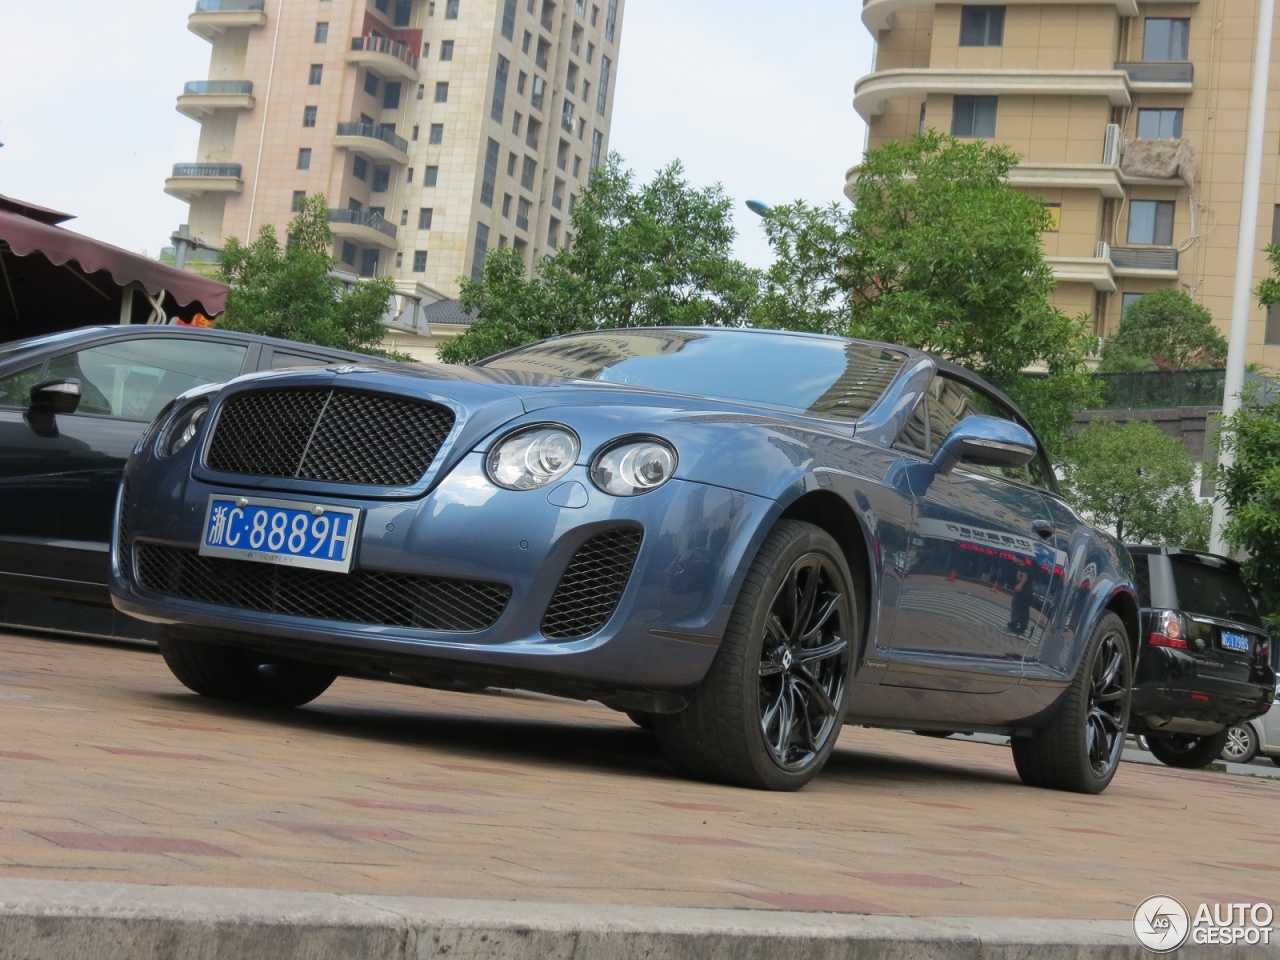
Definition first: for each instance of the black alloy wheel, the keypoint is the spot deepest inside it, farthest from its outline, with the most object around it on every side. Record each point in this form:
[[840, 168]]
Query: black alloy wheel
[[1186, 751]]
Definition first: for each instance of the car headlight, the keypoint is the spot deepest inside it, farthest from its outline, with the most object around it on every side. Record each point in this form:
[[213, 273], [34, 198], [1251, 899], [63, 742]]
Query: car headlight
[[633, 466], [532, 457], [181, 429]]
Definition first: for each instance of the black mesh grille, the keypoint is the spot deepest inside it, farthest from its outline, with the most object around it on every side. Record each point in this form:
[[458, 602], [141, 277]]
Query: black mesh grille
[[338, 436], [592, 584], [362, 596], [123, 532]]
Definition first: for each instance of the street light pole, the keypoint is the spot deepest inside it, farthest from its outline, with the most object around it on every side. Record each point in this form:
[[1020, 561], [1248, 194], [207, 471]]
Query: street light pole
[[1246, 246]]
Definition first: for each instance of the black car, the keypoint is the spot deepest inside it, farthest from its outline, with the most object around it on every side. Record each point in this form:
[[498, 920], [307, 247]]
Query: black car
[[1204, 663], [73, 405]]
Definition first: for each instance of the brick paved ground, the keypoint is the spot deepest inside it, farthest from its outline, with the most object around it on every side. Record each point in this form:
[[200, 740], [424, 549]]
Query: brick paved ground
[[109, 770]]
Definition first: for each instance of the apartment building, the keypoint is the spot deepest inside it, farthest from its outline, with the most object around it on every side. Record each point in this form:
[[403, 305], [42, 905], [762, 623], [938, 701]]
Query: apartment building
[[436, 129], [1130, 118]]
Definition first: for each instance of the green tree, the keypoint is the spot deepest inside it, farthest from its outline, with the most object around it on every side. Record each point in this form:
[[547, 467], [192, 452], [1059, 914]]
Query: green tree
[[1164, 330], [937, 252], [653, 255], [1136, 480], [289, 292]]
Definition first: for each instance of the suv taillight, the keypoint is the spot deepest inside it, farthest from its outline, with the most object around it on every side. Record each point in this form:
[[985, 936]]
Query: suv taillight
[[1168, 631]]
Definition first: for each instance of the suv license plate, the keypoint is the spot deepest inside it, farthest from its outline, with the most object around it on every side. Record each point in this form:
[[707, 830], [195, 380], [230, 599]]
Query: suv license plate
[[287, 532], [1239, 642]]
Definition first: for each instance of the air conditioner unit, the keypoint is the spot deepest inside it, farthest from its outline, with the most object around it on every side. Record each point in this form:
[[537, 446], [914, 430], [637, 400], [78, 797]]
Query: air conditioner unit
[[1102, 251], [1112, 144]]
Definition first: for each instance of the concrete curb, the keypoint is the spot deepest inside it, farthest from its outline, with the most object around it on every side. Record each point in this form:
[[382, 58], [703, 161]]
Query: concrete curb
[[67, 920]]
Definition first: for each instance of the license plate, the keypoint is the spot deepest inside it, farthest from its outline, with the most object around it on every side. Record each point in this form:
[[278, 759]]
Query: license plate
[[286, 532], [1238, 642]]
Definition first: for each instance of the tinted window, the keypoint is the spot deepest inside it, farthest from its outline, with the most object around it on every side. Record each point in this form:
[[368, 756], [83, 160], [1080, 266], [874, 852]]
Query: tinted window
[[1215, 591], [1142, 579], [915, 435], [831, 378]]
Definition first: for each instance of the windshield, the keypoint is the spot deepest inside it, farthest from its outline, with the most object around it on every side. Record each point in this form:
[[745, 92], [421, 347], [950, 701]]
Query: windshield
[[828, 377]]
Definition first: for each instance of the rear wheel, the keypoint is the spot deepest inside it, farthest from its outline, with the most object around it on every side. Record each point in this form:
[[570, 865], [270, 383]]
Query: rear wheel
[[1241, 745], [1079, 749], [243, 676], [1186, 751], [769, 710]]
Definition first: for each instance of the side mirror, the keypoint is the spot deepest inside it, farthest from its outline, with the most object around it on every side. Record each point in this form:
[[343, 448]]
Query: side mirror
[[985, 442], [56, 396]]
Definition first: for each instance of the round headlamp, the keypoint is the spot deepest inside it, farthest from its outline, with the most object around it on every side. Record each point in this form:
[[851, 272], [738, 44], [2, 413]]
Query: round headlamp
[[633, 467], [532, 457], [181, 429]]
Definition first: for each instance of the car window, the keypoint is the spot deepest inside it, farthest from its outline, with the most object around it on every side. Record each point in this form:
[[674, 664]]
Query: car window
[[133, 379], [15, 389], [1142, 578], [1212, 590], [914, 437], [280, 359]]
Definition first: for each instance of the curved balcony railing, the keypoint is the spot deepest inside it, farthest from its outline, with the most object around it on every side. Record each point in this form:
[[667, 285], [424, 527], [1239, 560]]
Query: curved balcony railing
[[364, 218], [206, 170], [373, 131], [229, 6], [217, 88], [392, 48]]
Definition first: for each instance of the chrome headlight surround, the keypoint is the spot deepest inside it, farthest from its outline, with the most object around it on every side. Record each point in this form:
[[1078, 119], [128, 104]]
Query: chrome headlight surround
[[532, 457], [634, 465], [181, 429]]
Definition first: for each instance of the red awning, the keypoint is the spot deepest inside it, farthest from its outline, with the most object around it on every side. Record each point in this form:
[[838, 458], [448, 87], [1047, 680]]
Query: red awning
[[26, 235]]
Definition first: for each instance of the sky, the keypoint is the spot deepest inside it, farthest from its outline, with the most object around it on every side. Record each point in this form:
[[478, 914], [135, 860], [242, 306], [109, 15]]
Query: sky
[[753, 95]]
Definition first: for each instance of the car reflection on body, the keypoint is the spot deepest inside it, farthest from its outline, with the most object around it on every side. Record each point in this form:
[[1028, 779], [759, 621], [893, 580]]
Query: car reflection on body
[[743, 538]]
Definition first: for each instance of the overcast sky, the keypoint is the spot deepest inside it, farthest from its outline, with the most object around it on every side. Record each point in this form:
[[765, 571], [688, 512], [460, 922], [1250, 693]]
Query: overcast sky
[[750, 94]]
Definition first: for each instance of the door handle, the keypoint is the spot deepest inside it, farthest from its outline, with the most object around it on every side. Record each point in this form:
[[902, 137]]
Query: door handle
[[1044, 528]]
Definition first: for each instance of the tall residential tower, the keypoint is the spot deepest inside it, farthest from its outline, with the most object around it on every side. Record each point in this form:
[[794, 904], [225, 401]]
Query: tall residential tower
[[1130, 118]]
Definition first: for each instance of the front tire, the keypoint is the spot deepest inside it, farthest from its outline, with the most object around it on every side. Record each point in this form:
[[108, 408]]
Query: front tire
[[1185, 751], [243, 676], [770, 708], [1241, 745], [1079, 749]]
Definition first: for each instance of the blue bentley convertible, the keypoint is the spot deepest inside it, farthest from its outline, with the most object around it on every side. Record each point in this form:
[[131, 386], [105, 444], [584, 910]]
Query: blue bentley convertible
[[744, 539]]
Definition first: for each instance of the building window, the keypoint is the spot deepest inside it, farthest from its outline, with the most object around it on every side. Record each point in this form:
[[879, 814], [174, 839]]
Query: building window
[[511, 164], [521, 80], [548, 15], [360, 168], [499, 103], [1163, 124], [381, 178], [404, 218], [490, 172], [524, 44], [591, 51], [981, 26], [597, 148], [506, 205], [566, 115], [595, 14], [577, 167], [317, 73], [611, 20], [442, 92], [308, 116], [540, 58], [380, 5], [509, 19], [974, 117], [304, 158], [477, 255], [920, 125], [408, 177], [532, 131], [1055, 216], [322, 32], [299, 198], [424, 218], [1165, 39], [537, 93], [522, 213], [527, 172], [516, 120], [1151, 221], [602, 95], [451, 10], [371, 84], [390, 96], [429, 176], [348, 253], [422, 86], [436, 135], [426, 55], [553, 233], [414, 134], [419, 261], [446, 49], [403, 14], [519, 245], [1127, 301]]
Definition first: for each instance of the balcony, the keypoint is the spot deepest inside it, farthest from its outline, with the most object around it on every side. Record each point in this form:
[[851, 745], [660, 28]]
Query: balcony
[[388, 58], [191, 180], [877, 15], [373, 140], [1098, 272], [1158, 76], [1102, 177], [1160, 263], [215, 17], [364, 226], [872, 93], [203, 97]]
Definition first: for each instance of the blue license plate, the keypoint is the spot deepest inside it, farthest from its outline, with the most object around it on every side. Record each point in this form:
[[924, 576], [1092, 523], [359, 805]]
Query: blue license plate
[[285, 532], [1239, 642]]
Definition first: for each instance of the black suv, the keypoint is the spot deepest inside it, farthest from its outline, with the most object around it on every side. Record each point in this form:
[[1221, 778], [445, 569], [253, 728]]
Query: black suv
[[1204, 661]]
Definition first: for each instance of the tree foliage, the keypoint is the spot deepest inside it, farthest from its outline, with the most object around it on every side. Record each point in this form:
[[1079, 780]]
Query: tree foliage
[[937, 252], [1164, 330], [289, 292], [653, 255], [1137, 481]]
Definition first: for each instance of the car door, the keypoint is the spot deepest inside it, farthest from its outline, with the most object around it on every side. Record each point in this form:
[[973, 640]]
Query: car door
[[59, 473], [979, 575]]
